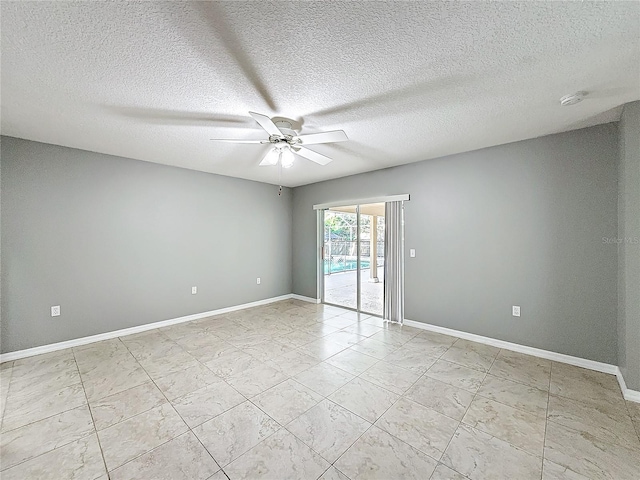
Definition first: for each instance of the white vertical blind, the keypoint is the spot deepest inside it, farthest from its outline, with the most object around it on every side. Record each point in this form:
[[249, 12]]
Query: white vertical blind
[[394, 263]]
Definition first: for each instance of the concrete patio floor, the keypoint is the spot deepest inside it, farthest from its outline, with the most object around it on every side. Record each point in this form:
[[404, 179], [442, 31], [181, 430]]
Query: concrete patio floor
[[340, 289]]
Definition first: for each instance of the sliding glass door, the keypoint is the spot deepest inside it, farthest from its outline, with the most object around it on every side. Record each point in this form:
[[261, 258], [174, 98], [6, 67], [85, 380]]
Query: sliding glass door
[[353, 257]]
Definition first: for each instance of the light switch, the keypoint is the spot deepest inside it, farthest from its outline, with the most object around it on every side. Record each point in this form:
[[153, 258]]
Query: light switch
[[412, 253]]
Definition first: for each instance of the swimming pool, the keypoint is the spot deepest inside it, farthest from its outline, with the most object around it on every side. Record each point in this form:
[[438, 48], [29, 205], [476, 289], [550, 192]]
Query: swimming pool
[[345, 266]]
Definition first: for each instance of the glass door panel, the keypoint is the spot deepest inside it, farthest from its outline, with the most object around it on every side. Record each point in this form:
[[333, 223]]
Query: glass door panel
[[340, 260], [371, 234]]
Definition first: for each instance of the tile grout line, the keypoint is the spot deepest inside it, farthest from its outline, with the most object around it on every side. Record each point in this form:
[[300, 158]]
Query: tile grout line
[[251, 400], [164, 394], [546, 423], [221, 413], [391, 406], [265, 413], [507, 405], [466, 410], [115, 393], [259, 408], [572, 428], [189, 429], [93, 421], [6, 400], [88, 405], [284, 426], [49, 416], [481, 430], [400, 396], [601, 439], [323, 398], [636, 425], [159, 330]]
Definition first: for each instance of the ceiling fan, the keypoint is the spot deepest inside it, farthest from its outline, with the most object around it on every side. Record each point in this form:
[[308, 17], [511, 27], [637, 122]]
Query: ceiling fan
[[286, 142]]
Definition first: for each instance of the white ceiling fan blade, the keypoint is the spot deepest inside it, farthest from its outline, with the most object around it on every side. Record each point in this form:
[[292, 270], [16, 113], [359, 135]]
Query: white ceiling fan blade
[[323, 137], [313, 156], [266, 123], [230, 140]]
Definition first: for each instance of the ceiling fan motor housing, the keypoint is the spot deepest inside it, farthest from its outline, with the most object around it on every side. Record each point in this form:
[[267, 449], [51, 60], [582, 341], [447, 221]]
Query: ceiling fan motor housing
[[286, 141], [287, 133]]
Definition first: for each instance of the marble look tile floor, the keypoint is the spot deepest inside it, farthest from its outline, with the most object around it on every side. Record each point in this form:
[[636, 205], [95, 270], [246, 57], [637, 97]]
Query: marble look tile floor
[[294, 390]]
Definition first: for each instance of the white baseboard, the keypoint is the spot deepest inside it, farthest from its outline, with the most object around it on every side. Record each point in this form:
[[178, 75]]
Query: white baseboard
[[631, 395], [295, 296], [76, 342]]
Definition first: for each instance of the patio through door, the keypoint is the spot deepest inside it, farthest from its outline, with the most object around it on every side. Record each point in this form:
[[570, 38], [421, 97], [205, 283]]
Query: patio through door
[[353, 257]]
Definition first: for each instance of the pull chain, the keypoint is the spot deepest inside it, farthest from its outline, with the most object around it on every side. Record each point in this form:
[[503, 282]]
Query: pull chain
[[280, 178]]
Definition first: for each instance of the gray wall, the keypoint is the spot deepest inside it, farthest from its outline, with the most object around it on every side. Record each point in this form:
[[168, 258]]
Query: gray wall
[[518, 224], [629, 246], [119, 242]]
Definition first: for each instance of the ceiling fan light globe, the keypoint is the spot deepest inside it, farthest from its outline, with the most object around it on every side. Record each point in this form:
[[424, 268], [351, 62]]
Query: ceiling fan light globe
[[287, 158], [272, 157]]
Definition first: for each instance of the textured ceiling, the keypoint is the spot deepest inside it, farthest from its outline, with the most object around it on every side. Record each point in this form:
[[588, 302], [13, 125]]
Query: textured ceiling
[[407, 81]]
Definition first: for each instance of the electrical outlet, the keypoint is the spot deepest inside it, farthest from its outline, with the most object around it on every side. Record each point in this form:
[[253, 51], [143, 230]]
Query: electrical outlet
[[194, 290], [515, 311], [258, 281], [55, 311]]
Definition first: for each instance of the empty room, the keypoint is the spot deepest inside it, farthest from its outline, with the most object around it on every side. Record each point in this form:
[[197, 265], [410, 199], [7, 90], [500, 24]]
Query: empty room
[[320, 240]]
